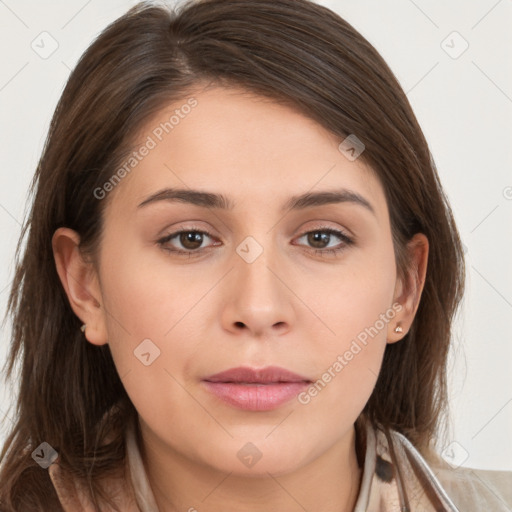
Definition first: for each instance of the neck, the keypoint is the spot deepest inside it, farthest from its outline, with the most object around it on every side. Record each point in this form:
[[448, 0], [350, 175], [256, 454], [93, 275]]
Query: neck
[[329, 482]]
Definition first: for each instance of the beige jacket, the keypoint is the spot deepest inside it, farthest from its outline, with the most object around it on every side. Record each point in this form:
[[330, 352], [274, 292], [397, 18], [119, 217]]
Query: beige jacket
[[396, 478]]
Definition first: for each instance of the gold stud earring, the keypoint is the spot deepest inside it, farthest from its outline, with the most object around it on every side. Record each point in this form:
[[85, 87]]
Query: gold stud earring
[[398, 328], [83, 328]]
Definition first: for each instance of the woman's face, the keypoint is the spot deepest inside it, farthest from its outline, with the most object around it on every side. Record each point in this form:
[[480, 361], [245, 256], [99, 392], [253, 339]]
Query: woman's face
[[269, 285]]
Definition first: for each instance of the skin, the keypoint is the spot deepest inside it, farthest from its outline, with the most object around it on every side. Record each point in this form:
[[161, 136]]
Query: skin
[[291, 307]]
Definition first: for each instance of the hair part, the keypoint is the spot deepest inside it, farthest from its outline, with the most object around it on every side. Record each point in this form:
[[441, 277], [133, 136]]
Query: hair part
[[291, 51]]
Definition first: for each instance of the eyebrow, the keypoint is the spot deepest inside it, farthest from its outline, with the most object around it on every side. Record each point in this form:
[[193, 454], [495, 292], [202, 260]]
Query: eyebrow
[[220, 201]]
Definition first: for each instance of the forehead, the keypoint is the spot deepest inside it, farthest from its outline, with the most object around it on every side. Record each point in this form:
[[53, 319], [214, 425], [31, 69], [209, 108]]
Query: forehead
[[246, 147]]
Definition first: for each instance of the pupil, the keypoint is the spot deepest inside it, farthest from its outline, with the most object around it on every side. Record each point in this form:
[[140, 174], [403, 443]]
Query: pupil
[[318, 237], [191, 240]]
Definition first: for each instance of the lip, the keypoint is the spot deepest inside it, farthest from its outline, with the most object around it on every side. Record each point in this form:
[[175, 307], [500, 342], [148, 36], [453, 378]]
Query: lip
[[256, 389]]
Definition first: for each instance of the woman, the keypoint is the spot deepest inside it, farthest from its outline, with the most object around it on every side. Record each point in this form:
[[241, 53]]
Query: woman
[[239, 278]]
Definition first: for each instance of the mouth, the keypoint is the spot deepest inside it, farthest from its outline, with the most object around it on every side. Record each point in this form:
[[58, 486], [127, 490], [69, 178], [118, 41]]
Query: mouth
[[256, 389]]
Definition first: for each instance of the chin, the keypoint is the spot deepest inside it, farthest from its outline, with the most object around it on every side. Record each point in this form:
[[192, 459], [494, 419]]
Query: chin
[[249, 460]]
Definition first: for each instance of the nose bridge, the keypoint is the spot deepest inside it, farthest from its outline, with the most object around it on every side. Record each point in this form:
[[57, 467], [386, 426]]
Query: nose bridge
[[258, 298], [254, 261]]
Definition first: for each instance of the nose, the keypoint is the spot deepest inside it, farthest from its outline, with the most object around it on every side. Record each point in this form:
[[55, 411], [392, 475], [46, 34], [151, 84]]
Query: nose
[[258, 298]]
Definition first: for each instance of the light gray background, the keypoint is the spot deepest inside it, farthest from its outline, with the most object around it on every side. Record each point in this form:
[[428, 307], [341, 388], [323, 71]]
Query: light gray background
[[463, 104]]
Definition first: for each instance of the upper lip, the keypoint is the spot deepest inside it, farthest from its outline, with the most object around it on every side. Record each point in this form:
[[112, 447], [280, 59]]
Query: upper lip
[[267, 375]]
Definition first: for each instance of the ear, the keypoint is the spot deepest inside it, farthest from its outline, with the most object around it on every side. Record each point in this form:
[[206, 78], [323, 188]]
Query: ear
[[408, 290], [81, 284]]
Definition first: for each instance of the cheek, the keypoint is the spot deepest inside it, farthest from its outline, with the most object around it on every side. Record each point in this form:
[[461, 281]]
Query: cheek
[[144, 307], [147, 337], [356, 306], [353, 297], [145, 294]]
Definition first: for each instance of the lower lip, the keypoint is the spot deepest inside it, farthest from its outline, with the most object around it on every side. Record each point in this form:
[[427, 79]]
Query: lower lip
[[256, 397]]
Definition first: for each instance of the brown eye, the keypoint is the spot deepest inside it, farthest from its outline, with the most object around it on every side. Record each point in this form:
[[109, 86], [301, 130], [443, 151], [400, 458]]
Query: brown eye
[[320, 240], [191, 239], [186, 242]]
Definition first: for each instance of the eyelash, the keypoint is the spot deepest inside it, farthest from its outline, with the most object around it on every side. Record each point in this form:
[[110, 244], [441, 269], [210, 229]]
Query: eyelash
[[347, 241]]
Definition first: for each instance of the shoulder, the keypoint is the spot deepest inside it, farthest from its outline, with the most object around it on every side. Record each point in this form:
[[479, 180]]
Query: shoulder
[[469, 489], [75, 496], [474, 489]]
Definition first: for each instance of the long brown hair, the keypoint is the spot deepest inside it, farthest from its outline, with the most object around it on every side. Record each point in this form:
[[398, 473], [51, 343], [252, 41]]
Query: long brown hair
[[292, 51]]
